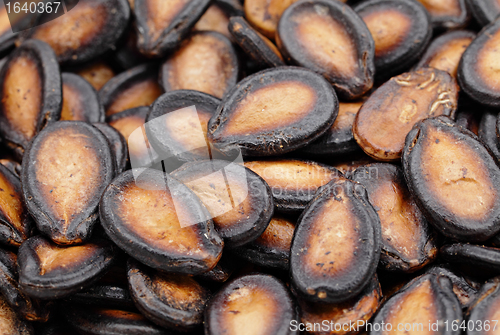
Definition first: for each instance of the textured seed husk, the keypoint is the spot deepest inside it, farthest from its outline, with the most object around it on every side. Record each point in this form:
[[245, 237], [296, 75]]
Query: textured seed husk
[[172, 301], [273, 112], [487, 131], [85, 32], [31, 83], [103, 294], [336, 245], [476, 72], [408, 242], [240, 202], [485, 308], [485, 12], [11, 322], [465, 290], [447, 14], [272, 248], [479, 256], [80, 101], [390, 112], [162, 26], [222, 271], [216, 18], [255, 45], [29, 309], [445, 52], [206, 61], [49, 271], [358, 309], [143, 219], [428, 297], [96, 73], [64, 173], [12, 165], [133, 88], [293, 182], [401, 31], [258, 303], [332, 40], [338, 140], [107, 321], [117, 143], [16, 224], [452, 176], [181, 134]]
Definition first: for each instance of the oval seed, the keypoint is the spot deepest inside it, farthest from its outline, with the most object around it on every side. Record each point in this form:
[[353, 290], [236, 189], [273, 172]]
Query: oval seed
[[453, 178], [30, 93], [216, 18], [80, 101], [447, 13], [97, 74], [171, 301], [485, 307], [293, 182], [484, 12], [85, 32], [408, 243], [160, 222], [400, 29], [329, 38], [390, 112], [258, 303], [336, 245], [425, 298], [65, 172], [161, 26], [239, 201], [49, 271], [133, 88], [487, 131], [445, 52], [16, 225], [206, 61], [273, 112], [264, 15], [478, 256]]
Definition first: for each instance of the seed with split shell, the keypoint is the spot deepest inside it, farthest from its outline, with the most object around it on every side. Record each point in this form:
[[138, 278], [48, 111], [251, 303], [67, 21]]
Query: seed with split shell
[[176, 130], [428, 297], [161, 25], [49, 271], [133, 88], [447, 13], [29, 309], [338, 140], [408, 243], [329, 38], [454, 179], [485, 308], [336, 245], [97, 320], [445, 52], [388, 115], [96, 73], [172, 301], [258, 303], [30, 93], [255, 45], [206, 61], [16, 224], [478, 256], [354, 311], [160, 222], [117, 143], [465, 290], [293, 182], [485, 12], [11, 323], [85, 32], [64, 174], [239, 201], [273, 112], [401, 31], [272, 248], [80, 101], [477, 71]]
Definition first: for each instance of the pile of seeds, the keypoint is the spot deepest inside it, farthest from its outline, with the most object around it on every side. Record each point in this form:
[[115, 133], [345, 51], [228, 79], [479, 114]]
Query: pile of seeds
[[256, 167]]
